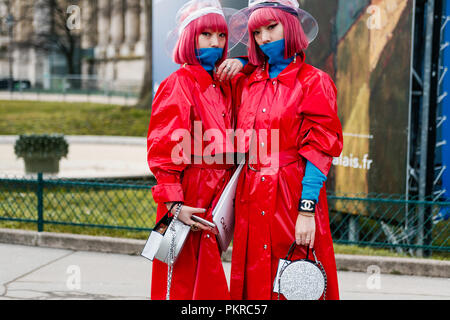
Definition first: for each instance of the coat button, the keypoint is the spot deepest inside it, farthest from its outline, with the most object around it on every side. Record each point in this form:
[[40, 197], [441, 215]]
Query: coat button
[[223, 114], [214, 85], [207, 235], [274, 82], [265, 247], [263, 213], [263, 179], [262, 144], [264, 110]]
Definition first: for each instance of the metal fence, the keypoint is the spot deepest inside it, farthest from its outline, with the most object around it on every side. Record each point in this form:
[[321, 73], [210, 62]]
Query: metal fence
[[390, 221], [80, 85], [383, 221], [95, 203]]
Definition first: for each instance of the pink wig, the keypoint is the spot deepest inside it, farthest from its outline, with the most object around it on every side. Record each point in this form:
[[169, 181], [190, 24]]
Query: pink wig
[[295, 38], [184, 51]]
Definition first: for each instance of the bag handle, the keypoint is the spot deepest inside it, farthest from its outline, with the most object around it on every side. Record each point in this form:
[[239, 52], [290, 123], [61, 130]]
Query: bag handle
[[292, 249], [165, 216], [172, 206], [169, 212]]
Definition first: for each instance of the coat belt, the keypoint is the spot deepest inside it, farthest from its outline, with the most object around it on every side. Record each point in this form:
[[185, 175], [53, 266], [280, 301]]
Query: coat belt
[[275, 160], [203, 163]]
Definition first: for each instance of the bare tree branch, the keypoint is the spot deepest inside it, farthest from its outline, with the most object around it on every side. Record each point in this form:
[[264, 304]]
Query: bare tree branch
[[50, 31], [146, 95]]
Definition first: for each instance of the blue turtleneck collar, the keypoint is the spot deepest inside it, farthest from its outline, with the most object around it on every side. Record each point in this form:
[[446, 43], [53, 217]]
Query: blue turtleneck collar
[[208, 58], [275, 52]]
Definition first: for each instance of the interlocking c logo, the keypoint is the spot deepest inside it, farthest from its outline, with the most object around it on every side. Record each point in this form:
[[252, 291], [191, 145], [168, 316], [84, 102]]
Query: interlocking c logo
[[307, 205]]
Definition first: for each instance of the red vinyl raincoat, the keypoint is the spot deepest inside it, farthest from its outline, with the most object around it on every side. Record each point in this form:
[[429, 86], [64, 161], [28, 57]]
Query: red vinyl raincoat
[[188, 108], [300, 104]]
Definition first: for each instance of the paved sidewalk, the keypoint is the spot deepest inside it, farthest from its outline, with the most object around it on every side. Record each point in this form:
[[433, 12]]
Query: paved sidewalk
[[46, 273]]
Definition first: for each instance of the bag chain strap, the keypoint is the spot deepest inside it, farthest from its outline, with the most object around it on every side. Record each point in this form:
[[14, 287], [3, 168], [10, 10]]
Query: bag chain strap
[[286, 263], [322, 269], [325, 277], [172, 251]]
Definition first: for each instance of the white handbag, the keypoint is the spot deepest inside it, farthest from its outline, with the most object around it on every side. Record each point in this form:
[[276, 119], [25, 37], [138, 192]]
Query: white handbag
[[166, 242], [302, 279], [160, 240]]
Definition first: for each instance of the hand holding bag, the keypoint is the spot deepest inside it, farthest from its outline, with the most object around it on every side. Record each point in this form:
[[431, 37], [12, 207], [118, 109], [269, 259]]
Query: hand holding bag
[[166, 242], [302, 279], [167, 230]]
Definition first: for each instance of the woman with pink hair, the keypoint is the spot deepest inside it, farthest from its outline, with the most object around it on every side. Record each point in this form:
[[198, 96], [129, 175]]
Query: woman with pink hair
[[291, 108], [189, 103]]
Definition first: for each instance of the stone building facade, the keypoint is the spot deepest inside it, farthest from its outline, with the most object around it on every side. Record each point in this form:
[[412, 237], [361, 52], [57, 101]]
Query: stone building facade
[[112, 40]]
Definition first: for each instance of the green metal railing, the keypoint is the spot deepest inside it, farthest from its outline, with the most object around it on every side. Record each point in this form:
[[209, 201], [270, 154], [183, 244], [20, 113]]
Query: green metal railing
[[389, 221], [106, 204], [383, 221], [82, 85]]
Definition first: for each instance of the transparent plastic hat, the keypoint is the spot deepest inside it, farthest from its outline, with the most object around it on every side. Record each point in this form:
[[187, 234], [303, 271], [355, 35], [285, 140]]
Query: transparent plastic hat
[[238, 25], [195, 9]]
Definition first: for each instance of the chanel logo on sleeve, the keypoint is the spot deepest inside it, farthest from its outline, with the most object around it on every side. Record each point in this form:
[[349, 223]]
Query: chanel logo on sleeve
[[307, 205]]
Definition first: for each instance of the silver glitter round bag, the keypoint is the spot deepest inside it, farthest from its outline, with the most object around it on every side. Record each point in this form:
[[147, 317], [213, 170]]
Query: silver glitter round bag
[[302, 279]]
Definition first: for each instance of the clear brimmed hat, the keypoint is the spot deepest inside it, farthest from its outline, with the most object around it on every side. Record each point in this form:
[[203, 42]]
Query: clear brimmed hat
[[191, 11], [238, 25]]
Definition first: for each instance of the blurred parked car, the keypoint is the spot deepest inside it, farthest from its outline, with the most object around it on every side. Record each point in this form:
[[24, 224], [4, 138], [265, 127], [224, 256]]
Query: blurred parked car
[[17, 85]]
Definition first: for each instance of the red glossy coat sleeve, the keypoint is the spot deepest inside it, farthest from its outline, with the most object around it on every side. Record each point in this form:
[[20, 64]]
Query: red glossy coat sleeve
[[169, 125], [321, 130], [238, 82]]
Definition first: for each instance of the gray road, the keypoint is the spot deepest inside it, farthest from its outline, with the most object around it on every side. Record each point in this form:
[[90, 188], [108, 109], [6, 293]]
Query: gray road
[[43, 273]]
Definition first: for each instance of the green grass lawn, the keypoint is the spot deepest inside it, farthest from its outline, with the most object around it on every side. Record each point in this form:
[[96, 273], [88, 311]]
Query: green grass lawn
[[383, 252], [25, 117]]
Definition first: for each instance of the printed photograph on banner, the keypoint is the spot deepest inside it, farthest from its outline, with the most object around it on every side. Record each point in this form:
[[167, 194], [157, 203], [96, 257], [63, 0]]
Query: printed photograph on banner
[[366, 47]]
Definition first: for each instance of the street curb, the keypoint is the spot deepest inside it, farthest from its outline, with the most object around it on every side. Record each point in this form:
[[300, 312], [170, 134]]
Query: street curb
[[72, 241], [344, 262]]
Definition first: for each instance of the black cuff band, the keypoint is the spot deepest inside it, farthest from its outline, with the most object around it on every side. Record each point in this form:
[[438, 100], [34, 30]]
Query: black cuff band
[[307, 205]]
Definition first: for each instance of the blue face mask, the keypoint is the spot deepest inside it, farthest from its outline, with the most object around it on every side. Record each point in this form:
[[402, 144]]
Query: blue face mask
[[208, 57], [275, 52]]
